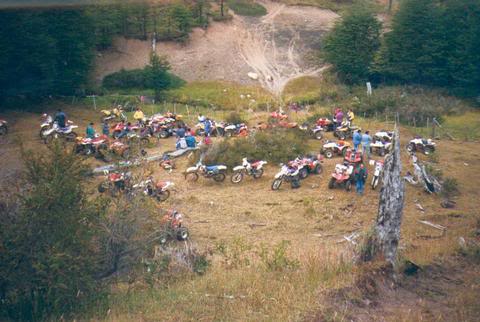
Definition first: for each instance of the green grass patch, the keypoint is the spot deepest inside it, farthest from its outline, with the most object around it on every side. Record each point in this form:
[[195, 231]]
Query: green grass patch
[[311, 90], [221, 95], [247, 8], [335, 5]]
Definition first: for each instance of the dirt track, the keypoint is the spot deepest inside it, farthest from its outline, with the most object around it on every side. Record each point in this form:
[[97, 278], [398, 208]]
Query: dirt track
[[275, 46]]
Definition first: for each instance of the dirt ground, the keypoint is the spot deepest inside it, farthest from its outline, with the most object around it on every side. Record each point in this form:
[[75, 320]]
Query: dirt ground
[[276, 46]]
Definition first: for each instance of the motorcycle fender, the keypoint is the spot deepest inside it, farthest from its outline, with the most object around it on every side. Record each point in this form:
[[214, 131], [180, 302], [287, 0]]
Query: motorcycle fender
[[279, 176], [238, 168], [221, 167], [48, 132], [377, 173]]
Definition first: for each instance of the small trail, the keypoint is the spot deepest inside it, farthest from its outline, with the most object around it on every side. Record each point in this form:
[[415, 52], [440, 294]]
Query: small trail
[[275, 63]]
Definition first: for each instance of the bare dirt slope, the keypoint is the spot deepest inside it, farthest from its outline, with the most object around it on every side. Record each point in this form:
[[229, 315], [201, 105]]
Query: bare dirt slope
[[275, 46]]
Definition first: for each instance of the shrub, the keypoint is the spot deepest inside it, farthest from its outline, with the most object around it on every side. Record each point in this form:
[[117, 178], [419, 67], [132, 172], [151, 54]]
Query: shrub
[[247, 8], [275, 146], [277, 259], [235, 118], [450, 188]]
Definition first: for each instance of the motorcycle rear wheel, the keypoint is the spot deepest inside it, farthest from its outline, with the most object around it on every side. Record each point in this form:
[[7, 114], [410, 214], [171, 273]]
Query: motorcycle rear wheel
[[276, 184], [258, 174], [70, 137], [236, 177], [163, 196], [219, 177], [295, 183], [182, 234]]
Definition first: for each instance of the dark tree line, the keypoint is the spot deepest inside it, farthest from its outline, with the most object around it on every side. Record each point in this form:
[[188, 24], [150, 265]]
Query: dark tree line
[[432, 42]]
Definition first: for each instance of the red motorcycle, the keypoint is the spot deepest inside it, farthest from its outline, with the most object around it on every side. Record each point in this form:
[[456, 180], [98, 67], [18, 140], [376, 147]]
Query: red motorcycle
[[87, 146], [172, 223], [342, 177], [116, 183]]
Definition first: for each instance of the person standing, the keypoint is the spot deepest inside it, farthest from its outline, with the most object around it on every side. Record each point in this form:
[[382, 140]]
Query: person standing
[[366, 140], [350, 117], [339, 118], [208, 127], [90, 132], [357, 139], [139, 116], [360, 175], [105, 129]]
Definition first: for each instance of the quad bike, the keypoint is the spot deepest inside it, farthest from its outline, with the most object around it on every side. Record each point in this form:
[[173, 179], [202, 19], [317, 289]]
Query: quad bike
[[426, 146], [380, 147], [384, 136], [172, 223], [289, 174], [119, 127], [142, 137], [342, 177], [47, 123], [3, 127], [216, 172], [309, 164], [116, 183], [248, 167], [326, 124], [107, 150], [316, 132], [377, 173], [114, 114], [87, 146], [331, 148], [56, 132], [353, 157], [236, 130], [345, 131]]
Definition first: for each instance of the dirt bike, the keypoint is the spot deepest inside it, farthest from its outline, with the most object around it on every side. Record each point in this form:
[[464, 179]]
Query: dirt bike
[[87, 146], [251, 168], [377, 173], [155, 189], [331, 148], [426, 146], [110, 115], [56, 132], [289, 174], [116, 183], [47, 123], [173, 228], [236, 130], [216, 172], [107, 150], [342, 177], [3, 127]]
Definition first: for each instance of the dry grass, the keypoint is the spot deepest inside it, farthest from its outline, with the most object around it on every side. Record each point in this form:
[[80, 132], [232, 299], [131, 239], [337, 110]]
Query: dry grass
[[312, 222]]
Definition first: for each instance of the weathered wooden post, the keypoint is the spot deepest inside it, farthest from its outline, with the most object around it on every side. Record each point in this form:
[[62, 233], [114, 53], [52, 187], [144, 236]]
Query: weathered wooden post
[[386, 232]]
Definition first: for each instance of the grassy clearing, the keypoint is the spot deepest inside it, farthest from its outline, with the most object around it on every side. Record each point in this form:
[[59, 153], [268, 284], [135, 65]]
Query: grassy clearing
[[334, 5], [311, 90], [223, 95], [247, 8]]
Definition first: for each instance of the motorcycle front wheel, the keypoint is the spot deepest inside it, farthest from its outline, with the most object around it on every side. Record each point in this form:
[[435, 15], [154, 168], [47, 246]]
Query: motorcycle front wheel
[[276, 184], [192, 176], [374, 182], [236, 177]]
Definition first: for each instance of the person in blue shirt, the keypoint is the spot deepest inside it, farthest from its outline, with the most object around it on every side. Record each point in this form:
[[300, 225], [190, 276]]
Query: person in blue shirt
[[60, 118], [105, 129], [357, 139], [90, 131], [366, 140], [360, 175], [208, 127], [191, 143], [180, 132]]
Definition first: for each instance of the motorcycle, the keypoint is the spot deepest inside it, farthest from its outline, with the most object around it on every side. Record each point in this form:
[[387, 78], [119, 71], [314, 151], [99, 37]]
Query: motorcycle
[[56, 132], [326, 124], [107, 150], [47, 123], [289, 174], [217, 129], [159, 190], [251, 168], [331, 148], [236, 130], [3, 127], [216, 172], [426, 146], [377, 172], [116, 113], [342, 177], [89, 146], [172, 223], [116, 183], [316, 132]]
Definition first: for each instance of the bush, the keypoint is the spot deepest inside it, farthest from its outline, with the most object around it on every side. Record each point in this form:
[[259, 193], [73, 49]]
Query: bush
[[247, 8], [235, 118], [450, 188], [274, 146], [277, 259]]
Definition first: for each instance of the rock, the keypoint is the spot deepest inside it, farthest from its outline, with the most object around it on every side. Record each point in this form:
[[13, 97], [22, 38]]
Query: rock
[[461, 242], [253, 75]]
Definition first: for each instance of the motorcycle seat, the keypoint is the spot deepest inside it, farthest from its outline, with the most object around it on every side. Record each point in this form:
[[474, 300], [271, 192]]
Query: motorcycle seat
[[211, 168]]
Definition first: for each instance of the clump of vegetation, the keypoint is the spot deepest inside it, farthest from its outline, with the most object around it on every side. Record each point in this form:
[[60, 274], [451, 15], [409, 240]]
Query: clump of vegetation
[[277, 259], [274, 146], [247, 8], [449, 188], [235, 118], [155, 76], [234, 254]]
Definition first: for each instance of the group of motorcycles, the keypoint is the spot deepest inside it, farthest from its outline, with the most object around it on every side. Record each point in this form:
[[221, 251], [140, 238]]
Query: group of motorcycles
[[296, 170], [253, 168]]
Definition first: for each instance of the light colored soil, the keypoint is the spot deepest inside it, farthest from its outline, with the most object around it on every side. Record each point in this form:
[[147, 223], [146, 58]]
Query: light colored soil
[[276, 45]]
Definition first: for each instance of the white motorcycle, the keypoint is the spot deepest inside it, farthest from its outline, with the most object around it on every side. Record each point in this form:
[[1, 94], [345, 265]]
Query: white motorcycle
[[377, 172], [3, 127], [47, 123], [56, 132], [251, 168], [159, 190], [289, 174]]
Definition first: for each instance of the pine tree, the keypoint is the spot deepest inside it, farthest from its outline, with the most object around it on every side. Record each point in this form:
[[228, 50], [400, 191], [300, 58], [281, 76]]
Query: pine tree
[[351, 45]]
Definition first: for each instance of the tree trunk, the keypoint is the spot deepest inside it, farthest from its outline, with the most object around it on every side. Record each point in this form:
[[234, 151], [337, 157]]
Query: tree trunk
[[221, 7], [390, 3], [386, 233]]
